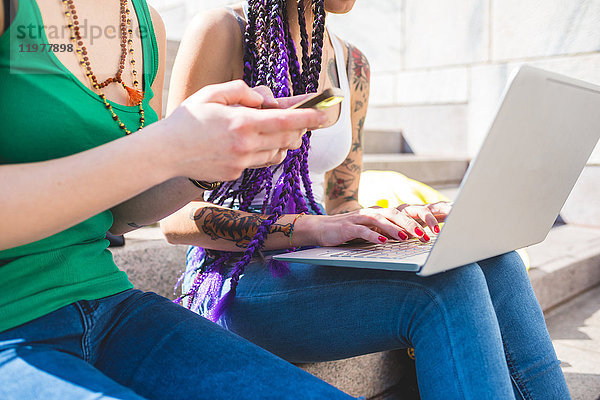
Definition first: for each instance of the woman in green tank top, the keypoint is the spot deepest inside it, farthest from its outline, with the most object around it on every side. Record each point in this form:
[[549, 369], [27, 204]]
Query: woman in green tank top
[[71, 326]]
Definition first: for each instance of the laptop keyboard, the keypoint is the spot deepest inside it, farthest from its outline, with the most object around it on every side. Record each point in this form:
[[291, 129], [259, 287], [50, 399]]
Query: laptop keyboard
[[392, 250]]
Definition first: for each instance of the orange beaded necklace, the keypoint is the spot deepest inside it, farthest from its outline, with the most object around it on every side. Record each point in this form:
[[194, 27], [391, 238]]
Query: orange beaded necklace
[[136, 96]]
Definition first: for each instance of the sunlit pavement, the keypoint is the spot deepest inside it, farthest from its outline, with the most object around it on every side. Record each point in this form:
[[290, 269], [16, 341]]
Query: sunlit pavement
[[575, 331]]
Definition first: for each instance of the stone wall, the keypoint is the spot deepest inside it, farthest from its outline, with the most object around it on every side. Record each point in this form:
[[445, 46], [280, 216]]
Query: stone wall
[[439, 67]]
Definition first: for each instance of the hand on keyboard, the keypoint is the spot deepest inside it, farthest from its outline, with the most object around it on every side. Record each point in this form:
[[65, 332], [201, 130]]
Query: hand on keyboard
[[375, 225]]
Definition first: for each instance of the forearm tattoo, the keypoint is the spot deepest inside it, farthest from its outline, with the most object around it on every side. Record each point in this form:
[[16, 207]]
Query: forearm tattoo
[[222, 223]]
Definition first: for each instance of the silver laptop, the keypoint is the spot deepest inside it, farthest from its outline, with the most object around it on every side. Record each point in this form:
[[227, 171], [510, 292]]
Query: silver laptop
[[539, 142]]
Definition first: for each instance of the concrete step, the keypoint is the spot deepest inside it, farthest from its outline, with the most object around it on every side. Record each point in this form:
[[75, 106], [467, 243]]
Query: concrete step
[[432, 170], [564, 265], [385, 141], [387, 375]]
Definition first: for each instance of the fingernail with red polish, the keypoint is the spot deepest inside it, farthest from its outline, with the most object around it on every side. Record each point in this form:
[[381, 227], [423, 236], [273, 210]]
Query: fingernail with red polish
[[382, 239], [436, 229], [419, 232], [425, 237], [402, 235]]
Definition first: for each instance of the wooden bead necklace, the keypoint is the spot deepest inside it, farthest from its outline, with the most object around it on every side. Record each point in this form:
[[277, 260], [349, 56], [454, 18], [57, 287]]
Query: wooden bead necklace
[[135, 95]]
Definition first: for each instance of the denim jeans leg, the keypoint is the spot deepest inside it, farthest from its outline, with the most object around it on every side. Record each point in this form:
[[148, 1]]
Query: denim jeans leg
[[534, 367], [164, 351], [326, 313], [43, 359], [136, 344]]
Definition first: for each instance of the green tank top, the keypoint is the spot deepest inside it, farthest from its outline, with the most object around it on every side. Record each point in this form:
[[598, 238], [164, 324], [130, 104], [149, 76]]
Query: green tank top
[[47, 113]]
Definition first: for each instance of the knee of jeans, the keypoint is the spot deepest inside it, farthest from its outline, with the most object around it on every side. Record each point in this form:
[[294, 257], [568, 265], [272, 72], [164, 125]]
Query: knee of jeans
[[464, 283], [506, 267], [511, 260]]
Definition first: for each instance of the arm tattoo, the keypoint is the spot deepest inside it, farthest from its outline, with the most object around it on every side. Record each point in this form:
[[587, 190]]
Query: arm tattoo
[[358, 144], [351, 166], [338, 183], [333, 75], [221, 223], [360, 70], [358, 105]]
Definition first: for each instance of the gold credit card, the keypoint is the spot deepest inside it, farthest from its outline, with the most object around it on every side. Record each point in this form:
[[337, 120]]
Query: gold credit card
[[320, 101]]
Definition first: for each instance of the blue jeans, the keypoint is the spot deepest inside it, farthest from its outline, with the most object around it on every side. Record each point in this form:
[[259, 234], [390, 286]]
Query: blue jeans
[[130, 346], [478, 331]]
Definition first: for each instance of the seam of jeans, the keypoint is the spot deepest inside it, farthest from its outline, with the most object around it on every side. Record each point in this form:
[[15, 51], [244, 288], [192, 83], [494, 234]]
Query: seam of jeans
[[85, 337], [514, 374], [397, 283]]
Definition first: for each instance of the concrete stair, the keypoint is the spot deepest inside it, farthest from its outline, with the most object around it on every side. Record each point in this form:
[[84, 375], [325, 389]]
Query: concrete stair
[[432, 170], [387, 150]]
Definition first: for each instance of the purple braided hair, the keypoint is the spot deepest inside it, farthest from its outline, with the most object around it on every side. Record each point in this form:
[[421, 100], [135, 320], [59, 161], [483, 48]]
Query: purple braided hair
[[269, 59]]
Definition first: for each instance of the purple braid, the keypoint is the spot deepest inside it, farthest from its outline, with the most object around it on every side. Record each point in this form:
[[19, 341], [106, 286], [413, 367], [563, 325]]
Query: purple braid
[[255, 189], [298, 197], [268, 188], [304, 44], [250, 44], [317, 46], [261, 38], [256, 243], [294, 66], [278, 62], [283, 67], [269, 58]]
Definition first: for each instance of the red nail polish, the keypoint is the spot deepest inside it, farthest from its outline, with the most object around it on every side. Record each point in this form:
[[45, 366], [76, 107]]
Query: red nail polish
[[402, 235], [382, 239], [425, 237], [419, 232], [436, 229]]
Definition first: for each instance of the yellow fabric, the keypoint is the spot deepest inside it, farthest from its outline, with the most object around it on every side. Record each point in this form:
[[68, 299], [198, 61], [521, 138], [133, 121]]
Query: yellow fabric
[[391, 189]]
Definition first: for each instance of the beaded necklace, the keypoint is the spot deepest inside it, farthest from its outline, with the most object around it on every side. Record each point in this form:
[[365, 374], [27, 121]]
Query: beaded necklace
[[135, 95]]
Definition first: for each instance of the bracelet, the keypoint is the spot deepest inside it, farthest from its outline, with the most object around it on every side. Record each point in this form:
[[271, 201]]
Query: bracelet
[[206, 185], [293, 225]]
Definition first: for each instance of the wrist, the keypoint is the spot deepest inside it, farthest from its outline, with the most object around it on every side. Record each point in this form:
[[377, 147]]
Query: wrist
[[304, 233], [158, 150]]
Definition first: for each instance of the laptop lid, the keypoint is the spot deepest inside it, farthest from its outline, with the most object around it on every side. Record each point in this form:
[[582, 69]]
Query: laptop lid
[[544, 132]]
